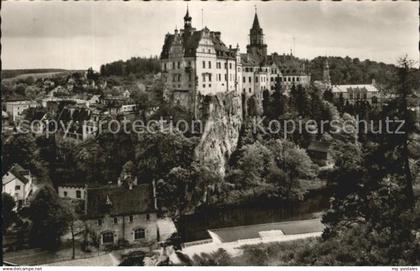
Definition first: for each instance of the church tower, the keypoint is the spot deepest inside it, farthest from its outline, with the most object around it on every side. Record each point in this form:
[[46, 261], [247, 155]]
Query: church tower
[[326, 73], [187, 21], [256, 45]]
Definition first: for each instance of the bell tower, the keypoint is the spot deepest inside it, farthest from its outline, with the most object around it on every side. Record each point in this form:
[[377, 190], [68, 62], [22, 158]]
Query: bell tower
[[256, 44], [187, 21]]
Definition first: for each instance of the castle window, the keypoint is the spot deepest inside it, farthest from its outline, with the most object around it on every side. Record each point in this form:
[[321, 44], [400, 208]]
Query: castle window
[[256, 79], [209, 64], [65, 193], [139, 234], [250, 90], [209, 51], [131, 219], [204, 64], [108, 237], [115, 220], [220, 77], [78, 194], [204, 77], [209, 77], [225, 65], [226, 77], [99, 222], [179, 65], [298, 79], [230, 65], [209, 85], [164, 66], [204, 85], [243, 79], [17, 187]]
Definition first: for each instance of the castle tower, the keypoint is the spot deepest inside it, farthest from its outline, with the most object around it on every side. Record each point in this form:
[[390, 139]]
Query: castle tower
[[187, 21], [326, 73], [256, 45]]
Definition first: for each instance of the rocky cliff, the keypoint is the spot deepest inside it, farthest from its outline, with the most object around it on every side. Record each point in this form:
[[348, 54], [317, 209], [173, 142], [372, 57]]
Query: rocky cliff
[[222, 118]]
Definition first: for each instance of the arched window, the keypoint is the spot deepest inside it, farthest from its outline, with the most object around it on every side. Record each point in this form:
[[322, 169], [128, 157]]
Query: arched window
[[107, 237], [139, 234]]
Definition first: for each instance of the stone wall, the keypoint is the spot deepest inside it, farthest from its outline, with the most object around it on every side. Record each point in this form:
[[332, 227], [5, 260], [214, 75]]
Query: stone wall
[[124, 229]]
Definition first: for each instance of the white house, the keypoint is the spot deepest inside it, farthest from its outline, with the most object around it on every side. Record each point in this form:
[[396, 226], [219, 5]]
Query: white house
[[72, 191], [17, 182], [15, 109]]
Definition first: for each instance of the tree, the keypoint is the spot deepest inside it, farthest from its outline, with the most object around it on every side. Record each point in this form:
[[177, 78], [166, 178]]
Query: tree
[[8, 204], [21, 148], [158, 152], [295, 165], [50, 219]]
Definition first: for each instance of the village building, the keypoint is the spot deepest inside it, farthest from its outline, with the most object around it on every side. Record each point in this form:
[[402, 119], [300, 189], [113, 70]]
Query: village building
[[18, 183], [318, 152], [72, 191], [15, 108], [357, 93], [124, 213], [77, 123]]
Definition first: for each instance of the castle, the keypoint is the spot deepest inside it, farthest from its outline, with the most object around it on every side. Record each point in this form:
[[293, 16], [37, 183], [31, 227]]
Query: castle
[[197, 62]]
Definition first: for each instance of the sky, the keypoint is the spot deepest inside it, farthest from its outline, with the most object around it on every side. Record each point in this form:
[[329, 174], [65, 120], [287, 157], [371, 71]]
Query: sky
[[78, 35]]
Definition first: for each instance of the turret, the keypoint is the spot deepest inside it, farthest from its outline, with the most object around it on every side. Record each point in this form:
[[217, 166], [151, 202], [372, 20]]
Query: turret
[[187, 21], [256, 39]]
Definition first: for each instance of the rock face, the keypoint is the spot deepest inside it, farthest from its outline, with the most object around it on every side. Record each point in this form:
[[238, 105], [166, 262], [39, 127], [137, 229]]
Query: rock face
[[222, 120]]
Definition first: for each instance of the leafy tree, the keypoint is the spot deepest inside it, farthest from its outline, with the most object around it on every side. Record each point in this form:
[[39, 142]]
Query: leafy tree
[[158, 152], [21, 148], [50, 219], [186, 188], [295, 165]]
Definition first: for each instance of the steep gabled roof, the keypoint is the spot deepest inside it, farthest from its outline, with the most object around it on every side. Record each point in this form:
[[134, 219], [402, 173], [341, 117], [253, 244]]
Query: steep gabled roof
[[190, 41], [17, 171], [123, 201]]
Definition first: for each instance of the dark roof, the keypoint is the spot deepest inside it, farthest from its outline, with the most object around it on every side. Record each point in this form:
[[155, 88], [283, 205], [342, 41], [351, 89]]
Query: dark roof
[[256, 23], [78, 115], [123, 201], [319, 146], [19, 173], [190, 41], [35, 114]]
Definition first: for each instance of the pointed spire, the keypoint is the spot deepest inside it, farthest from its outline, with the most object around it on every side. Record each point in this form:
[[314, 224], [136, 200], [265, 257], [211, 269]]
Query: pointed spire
[[256, 23], [187, 16]]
